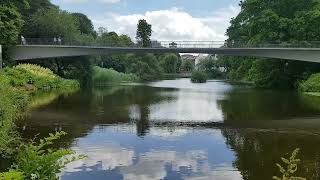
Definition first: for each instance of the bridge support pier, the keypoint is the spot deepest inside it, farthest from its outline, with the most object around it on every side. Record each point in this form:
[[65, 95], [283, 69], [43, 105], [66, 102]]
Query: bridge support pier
[[0, 56]]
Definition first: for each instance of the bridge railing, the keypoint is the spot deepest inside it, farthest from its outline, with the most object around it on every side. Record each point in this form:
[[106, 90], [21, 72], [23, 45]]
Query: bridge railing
[[171, 44]]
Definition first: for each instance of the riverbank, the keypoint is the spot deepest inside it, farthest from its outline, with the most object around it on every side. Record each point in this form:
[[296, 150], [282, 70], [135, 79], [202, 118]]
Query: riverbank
[[17, 84], [311, 86]]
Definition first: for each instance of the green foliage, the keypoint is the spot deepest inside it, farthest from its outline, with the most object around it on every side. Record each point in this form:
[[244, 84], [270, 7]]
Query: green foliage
[[85, 25], [198, 77], [210, 67], [267, 22], [187, 66], [144, 31], [102, 76], [12, 175], [169, 63], [33, 6], [11, 103], [113, 39], [291, 167], [147, 67], [37, 161], [10, 24], [14, 98], [52, 23], [32, 77], [312, 84]]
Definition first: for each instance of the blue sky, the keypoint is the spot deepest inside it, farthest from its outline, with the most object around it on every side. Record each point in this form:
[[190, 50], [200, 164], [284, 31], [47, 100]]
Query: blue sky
[[171, 19]]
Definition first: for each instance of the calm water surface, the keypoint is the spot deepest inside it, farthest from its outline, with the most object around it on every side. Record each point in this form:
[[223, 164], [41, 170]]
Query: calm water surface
[[174, 129]]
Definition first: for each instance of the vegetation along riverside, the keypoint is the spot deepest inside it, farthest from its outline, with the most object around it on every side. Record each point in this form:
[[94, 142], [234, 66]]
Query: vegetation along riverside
[[159, 115]]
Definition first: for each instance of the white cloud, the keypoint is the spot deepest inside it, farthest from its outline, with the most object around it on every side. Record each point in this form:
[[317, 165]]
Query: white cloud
[[92, 1], [172, 24]]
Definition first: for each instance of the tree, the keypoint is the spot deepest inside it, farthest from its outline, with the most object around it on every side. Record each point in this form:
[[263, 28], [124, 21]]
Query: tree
[[101, 31], [187, 66], [35, 6], [144, 31], [52, 23], [210, 67], [273, 21], [10, 24], [169, 63], [85, 25], [113, 39], [10, 27]]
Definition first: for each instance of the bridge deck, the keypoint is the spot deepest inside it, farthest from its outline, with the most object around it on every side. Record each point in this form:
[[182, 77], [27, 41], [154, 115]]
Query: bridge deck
[[25, 52]]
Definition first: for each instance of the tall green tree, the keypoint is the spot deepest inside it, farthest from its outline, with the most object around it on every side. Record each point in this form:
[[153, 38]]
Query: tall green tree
[[85, 25], [169, 63], [113, 39], [273, 21], [52, 23], [144, 31], [10, 24], [35, 6]]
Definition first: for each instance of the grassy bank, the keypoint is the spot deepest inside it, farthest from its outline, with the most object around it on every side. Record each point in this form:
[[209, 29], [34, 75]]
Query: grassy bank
[[311, 86], [103, 76], [16, 86]]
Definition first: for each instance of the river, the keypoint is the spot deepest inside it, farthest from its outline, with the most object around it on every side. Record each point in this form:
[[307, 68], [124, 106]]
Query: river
[[174, 129]]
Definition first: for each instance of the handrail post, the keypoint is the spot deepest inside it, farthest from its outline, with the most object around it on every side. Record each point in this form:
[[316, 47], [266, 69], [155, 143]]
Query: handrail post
[[0, 56]]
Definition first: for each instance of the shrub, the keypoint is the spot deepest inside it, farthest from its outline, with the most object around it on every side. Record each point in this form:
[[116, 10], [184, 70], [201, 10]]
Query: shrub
[[12, 175], [11, 104], [32, 77], [198, 77], [102, 76], [37, 161], [312, 84]]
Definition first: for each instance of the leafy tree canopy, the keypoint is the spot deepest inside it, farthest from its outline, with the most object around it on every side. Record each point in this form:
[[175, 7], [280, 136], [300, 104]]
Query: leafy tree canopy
[[273, 21], [10, 24], [144, 31], [52, 23], [85, 25]]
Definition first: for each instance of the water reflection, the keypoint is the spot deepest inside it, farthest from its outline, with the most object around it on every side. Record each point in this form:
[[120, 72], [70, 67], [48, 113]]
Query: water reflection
[[116, 151], [179, 130]]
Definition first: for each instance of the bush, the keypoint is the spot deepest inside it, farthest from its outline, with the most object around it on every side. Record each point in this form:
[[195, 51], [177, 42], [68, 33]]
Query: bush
[[31, 77], [312, 84], [102, 76], [36, 161], [12, 175], [11, 104], [198, 77]]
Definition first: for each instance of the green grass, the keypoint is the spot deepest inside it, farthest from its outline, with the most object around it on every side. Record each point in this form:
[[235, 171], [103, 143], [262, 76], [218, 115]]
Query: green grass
[[102, 76]]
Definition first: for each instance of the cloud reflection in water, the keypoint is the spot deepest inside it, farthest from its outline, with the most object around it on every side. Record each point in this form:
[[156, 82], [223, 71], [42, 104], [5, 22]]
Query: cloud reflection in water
[[134, 162]]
